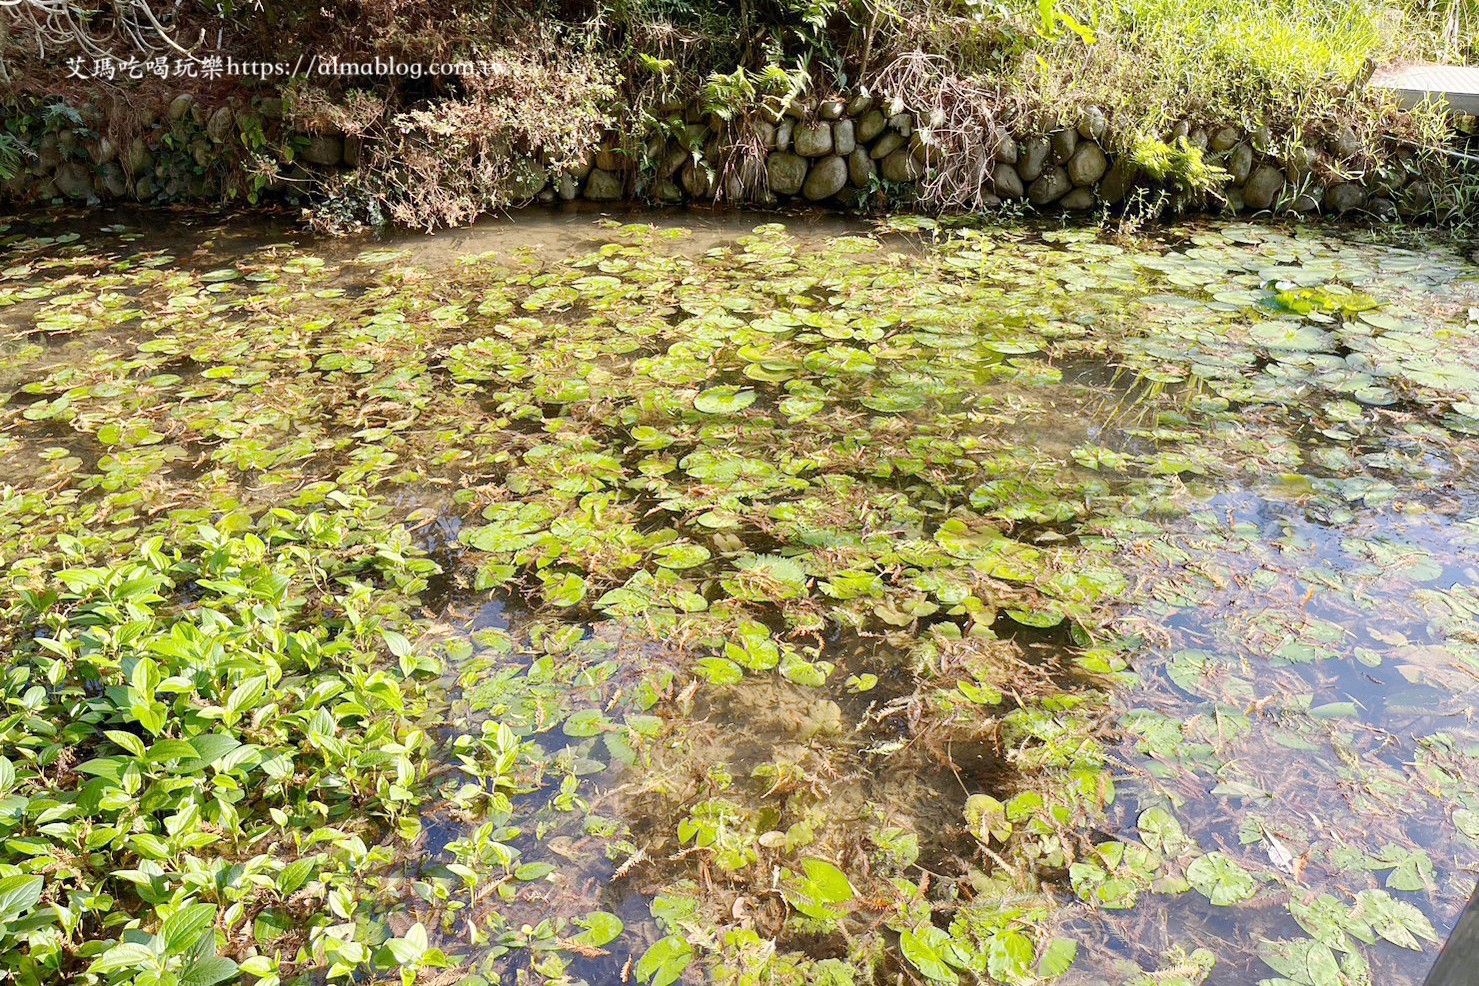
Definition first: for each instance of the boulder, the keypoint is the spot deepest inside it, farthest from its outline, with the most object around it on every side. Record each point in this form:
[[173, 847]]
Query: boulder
[[826, 178], [667, 190], [830, 109], [1006, 182], [886, 145], [1087, 165], [218, 127], [1299, 162], [324, 150], [1225, 139], [783, 133], [844, 137], [859, 168], [1263, 187], [48, 152], [926, 148], [870, 125], [1119, 180], [1034, 158], [1344, 196], [1346, 145], [1240, 164], [1382, 208], [902, 123], [1065, 142], [353, 146], [673, 160], [579, 167], [180, 105], [1093, 124], [1049, 187], [567, 187], [74, 181], [742, 178], [813, 139], [696, 181], [1079, 198], [526, 181], [114, 182], [900, 166], [1389, 182], [139, 158], [1007, 149], [859, 105], [1417, 200], [785, 172]]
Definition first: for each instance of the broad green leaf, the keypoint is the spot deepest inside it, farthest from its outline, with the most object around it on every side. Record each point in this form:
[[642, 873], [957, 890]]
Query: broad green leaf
[[601, 929], [664, 961], [931, 951], [724, 400]]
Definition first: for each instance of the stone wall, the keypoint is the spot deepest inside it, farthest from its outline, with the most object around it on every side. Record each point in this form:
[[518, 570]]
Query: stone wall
[[847, 152]]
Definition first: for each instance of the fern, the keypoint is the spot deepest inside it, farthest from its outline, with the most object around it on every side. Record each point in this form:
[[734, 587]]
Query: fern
[[10, 156], [741, 91], [1180, 163]]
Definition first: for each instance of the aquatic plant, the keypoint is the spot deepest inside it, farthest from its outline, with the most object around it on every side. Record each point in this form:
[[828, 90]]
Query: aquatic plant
[[762, 605]]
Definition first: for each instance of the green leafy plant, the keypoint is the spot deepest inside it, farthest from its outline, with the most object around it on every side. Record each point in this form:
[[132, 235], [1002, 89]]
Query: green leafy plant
[[10, 155], [1179, 163]]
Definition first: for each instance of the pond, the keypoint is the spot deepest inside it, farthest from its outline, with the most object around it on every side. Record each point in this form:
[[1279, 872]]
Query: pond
[[712, 598]]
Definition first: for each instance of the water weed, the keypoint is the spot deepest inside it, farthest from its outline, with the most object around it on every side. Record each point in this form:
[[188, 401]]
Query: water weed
[[998, 604]]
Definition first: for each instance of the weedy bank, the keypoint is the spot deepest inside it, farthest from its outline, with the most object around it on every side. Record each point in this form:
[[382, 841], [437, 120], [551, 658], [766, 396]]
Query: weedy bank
[[631, 83]]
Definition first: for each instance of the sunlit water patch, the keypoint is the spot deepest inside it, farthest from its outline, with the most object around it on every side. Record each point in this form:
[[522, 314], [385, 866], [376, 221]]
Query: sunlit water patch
[[563, 600]]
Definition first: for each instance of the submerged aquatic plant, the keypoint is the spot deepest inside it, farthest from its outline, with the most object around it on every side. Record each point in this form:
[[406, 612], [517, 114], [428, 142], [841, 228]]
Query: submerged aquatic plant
[[773, 608]]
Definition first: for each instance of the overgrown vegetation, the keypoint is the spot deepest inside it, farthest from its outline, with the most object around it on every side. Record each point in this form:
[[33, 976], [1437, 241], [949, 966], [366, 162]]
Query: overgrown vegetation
[[972, 606], [609, 73]]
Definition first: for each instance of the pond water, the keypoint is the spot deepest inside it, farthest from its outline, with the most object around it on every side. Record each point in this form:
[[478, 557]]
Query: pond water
[[710, 598]]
